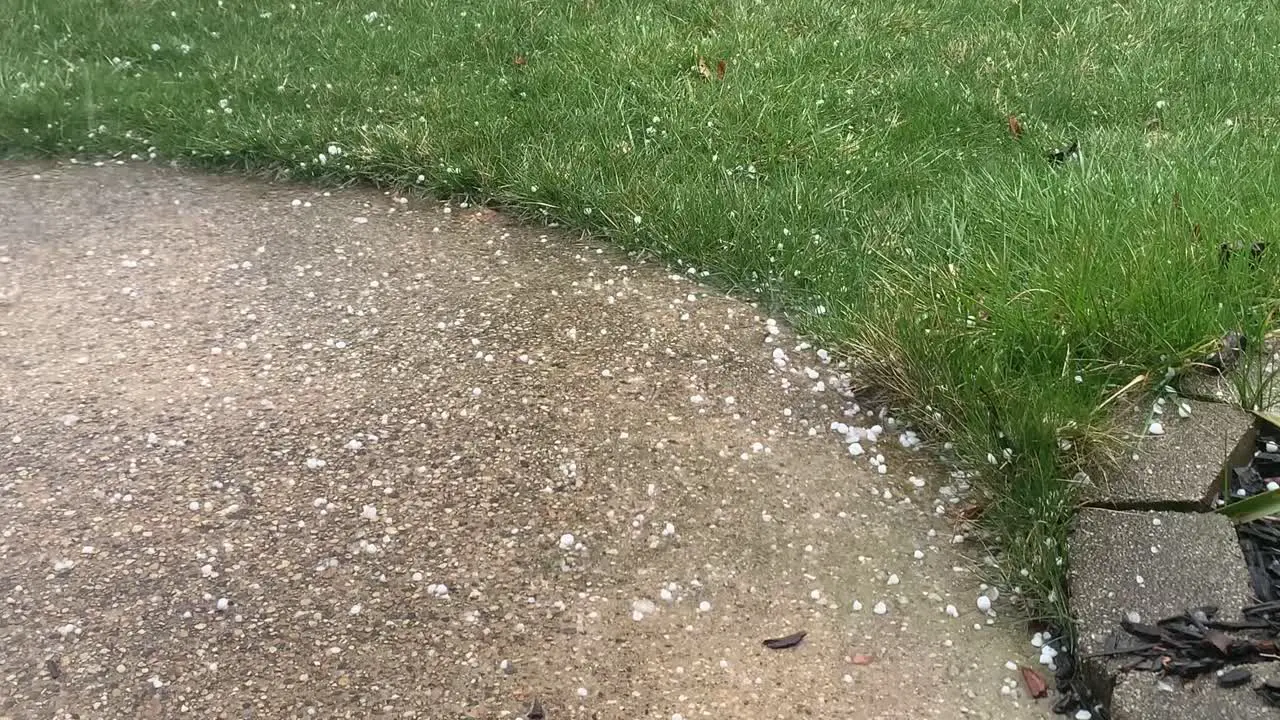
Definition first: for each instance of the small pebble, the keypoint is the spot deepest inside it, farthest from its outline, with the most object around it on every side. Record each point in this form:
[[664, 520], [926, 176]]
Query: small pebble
[[880, 608]]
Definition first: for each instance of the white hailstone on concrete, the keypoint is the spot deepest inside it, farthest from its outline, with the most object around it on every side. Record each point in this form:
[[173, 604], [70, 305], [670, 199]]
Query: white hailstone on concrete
[[359, 220], [315, 463], [194, 505], [883, 470], [223, 604], [440, 590], [1184, 410], [668, 530], [1083, 714], [320, 502], [916, 481], [855, 449], [88, 550], [984, 603], [952, 611], [880, 608], [894, 579], [582, 692], [417, 577], [1037, 640], [857, 606], [1011, 666], [156, 682], [919, 554], [354, 444], [369, 512], [566, 541], [63, 565], [641, 607], [1155, 428], [666, 595], [704, 606], [356, 609]]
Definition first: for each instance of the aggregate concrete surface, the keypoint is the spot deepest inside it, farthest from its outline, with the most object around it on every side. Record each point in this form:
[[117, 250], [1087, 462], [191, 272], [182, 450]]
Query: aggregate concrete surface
[[273, 452]]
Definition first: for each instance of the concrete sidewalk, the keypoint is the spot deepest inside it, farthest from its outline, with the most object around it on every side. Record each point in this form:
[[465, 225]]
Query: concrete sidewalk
[[270, 452]]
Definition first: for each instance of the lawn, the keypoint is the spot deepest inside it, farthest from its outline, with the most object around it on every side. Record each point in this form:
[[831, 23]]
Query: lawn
[[851, 164]]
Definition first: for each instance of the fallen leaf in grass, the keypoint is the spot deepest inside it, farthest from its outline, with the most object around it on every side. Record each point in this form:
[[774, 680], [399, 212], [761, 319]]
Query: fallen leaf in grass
[[520, 61], [783, 643], [1177, 201], [720, 68], [862, 659], [1036, 685], [1015, 127], [702, 69]]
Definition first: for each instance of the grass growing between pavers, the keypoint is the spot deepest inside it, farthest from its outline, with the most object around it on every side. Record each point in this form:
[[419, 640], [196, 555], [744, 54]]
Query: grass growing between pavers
[[849, 163]]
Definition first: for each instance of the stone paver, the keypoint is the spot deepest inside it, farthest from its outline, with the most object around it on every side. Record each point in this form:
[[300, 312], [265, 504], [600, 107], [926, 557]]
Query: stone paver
[[1177, 470], [1140, 697], [273, 452], [1155, 564]]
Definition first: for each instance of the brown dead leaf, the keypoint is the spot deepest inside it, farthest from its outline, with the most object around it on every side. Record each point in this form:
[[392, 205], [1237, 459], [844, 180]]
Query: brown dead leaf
[[721, 66], [788, 641], [702, 69], [1015, 127], [520, 61], [1036, 685]]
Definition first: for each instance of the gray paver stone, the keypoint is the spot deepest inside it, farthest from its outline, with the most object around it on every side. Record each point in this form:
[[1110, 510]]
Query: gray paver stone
[[1156, 564]]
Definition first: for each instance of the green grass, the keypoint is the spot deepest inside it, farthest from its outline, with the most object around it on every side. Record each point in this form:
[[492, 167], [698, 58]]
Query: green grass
[[853, 167]]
